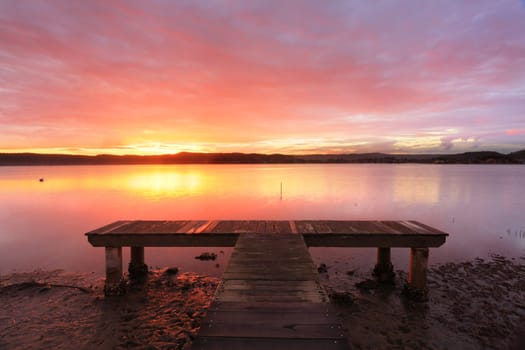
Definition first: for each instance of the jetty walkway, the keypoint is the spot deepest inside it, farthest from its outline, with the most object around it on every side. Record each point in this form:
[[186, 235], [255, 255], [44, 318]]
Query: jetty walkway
[[270, 295]]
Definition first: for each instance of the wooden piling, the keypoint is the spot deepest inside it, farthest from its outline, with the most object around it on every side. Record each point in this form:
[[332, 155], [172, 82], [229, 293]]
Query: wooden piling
[[417, 276], [384, 270], [114, 279], [137, 267]]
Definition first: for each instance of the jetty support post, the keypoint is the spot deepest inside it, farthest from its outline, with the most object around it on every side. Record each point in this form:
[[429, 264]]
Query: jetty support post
[[115, 284], [417, 276], [137, 267], [384, 270]]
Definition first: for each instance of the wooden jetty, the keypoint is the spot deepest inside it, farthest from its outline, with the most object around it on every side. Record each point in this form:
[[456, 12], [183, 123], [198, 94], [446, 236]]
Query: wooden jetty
[[270, 296]]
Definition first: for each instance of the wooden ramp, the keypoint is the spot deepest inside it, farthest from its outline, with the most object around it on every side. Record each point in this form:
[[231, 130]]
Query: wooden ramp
[[270, 298]]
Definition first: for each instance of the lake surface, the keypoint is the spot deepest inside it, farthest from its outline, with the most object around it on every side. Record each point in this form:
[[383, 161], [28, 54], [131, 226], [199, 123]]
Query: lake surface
[[42, 224]]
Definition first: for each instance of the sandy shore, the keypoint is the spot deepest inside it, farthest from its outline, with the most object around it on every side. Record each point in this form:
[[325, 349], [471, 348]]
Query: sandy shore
[[472, 305]]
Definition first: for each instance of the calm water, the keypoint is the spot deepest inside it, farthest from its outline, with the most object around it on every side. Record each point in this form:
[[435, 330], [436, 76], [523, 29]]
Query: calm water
[[42, 223]]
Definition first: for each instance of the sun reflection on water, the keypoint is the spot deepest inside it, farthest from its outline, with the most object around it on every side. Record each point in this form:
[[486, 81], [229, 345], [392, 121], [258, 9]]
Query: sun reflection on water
[[164, 184]]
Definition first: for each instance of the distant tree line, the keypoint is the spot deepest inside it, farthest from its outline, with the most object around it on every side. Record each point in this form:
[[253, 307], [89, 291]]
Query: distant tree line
[[483, 157]]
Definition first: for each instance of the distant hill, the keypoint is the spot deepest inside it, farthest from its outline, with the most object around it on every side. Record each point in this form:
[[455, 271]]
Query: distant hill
[[484, 157], [519, 156]]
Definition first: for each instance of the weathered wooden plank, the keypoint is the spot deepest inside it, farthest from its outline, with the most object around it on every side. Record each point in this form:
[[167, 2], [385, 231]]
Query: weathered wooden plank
[[269, 240], [262, 274], [369, 227], [209, 228], [270, 297], [299, 261], [260, 294], [237, 343], [163, 240], [202, 227], [382, 227], [276, 328], [189, 227], [338, 226], [373, 240], [224, 226], [270, 285], [273, 266], [398, 227], [279, 227], [304, 227], [322, 227], [267, 277], [108, 228], [246, 252], [285, 287], [245, 226], [329, 226], [292, 307], [431, 230], [254, 317], [270, 266], [150, 226]]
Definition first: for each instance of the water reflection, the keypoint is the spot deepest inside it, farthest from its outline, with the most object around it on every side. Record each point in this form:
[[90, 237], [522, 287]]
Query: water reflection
[[422, 186], [41, 223], [157, 184]]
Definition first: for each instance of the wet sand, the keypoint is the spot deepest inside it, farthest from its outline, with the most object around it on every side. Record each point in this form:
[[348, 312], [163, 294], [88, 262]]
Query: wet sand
[[163, 315], [472, 305]]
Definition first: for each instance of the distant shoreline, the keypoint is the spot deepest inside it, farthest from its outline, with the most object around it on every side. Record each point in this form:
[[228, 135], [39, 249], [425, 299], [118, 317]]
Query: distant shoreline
[[482, 157]]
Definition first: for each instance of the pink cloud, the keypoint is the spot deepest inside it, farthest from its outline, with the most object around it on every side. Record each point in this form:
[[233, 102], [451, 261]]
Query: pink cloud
[[88, 72], [515, 132]]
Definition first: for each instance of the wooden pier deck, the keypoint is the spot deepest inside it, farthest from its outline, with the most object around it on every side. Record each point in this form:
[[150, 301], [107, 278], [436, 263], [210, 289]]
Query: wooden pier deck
[[270, 295], [270, 298]]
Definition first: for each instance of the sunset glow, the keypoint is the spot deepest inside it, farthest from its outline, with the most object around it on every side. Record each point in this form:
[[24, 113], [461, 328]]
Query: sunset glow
[[161, 77]]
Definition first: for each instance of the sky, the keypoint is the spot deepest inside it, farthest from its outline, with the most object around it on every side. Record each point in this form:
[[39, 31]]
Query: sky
[[156, 77]]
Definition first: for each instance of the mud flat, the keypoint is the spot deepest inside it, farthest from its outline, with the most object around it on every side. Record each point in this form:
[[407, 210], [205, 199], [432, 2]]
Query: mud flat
[[46, 310], [477, 304]]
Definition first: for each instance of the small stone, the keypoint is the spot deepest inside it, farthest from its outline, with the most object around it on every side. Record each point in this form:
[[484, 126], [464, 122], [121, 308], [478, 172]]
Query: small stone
[[172, 271], [322, 268], [367, 284], [341, 297], [206, 256]]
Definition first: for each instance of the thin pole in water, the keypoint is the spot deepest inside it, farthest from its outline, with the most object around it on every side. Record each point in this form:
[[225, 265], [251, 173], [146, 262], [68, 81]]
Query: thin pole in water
[[281, 190]]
